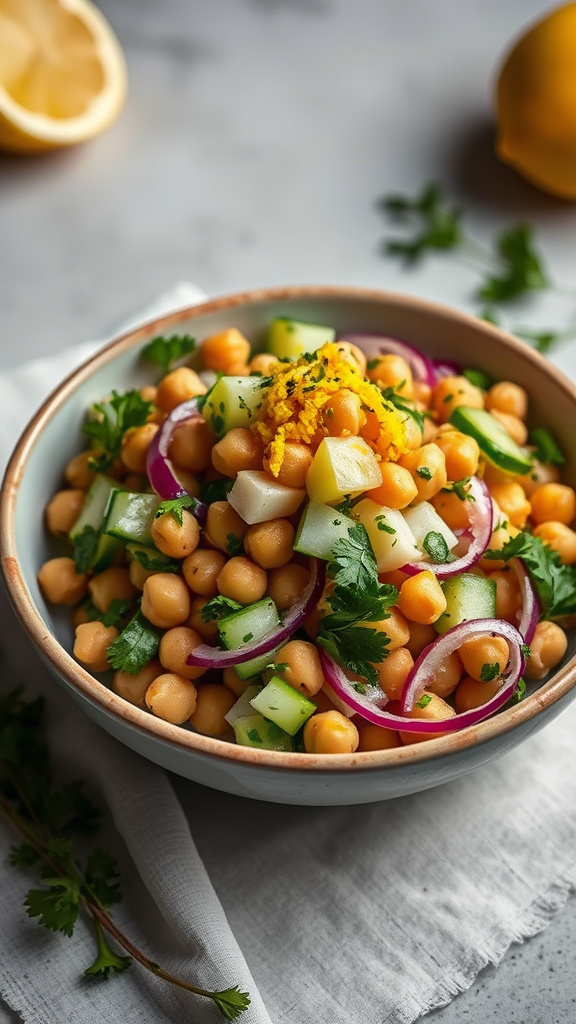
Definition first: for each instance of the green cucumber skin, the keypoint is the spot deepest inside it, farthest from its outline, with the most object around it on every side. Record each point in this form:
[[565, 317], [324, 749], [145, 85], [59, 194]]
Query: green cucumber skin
[[96, 504], [495, 444], [282, 704], [233, 402], [319, 528], [288, 339], [130, 516], [257, 732], [256, 620], [468, 597]]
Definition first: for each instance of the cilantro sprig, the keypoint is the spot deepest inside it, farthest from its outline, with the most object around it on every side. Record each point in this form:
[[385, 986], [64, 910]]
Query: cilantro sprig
[[49, 820], [357, 600], [109, 421], [135, 646], [165, 352], [555, 583]]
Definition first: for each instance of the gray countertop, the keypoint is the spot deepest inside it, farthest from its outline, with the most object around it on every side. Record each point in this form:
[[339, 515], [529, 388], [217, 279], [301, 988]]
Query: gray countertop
[[257, 139]]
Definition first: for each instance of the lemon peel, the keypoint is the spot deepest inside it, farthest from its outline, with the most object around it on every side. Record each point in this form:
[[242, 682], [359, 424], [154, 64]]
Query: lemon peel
[[536, 104], [62, 74], [294, 407]]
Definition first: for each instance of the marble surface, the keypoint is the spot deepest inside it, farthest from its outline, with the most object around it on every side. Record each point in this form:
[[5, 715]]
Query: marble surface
[[255, 144]]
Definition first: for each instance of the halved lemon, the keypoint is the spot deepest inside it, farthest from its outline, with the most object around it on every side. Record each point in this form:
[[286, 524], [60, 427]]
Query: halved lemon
[[62, 74]]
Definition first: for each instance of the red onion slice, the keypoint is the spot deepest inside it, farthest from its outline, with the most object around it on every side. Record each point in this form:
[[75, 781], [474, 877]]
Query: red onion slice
[[214, 657], [158, 466], [374, 345], [530, 610], [480, 532], [443, 368], [372, 704]]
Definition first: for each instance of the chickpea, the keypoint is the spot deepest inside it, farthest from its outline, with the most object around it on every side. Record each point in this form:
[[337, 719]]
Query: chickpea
[[461, 453], [286, 584], [113, 583], [446, 677], [175, 646], [394, 671], [296, 462], [471, 693], [547, 648], [452, 509], [239, 449], [505, 396], [224, 529], [262, 363], [330, 732], [560, 538], [214, 702], [178, 386], [60, 583], [79, 473], [232, 680], [554, 501], [171, 697], [422, 393], [375, 737], [342, 414], [508, 597], [189, 482], [63, 511], [303, 669], [200, 570], [191, 445], [397, 489], [132, 687], [208, 630], [135, 445], [395, 627], [511, 499], [165, 600], [270, 544], [175, 539], [91, 645], [541, 473], [500, 536], [427, 467], [354, 355], [225, 350], [484, 655], [517, 430], [242, 580], [391, 371], [433, 710], [453, 391], [420, 637], [422, 598]]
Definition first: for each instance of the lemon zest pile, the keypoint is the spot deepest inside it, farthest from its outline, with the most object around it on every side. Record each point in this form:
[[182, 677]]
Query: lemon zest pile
[[294, 406]]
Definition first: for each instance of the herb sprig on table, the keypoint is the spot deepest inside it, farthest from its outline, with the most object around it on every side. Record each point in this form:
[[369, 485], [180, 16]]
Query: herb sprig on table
[[50, 821], [511, 268]]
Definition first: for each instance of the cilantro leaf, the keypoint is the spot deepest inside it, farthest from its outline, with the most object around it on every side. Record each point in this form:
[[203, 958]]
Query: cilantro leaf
[[110, 420], [436, 547], [555, 583], [85, 547], [153, 560], [219, 607], [215, 490], [547, 448], [518, 695], [107, 962], [402, 404], [353, 564], [115, 611], [166, 351], [436, 225], [135, 646], [424, 701], [55, 906], [101, 874], [489, 672], [174, 506], [522, 269], [541, 340], [478, 378]]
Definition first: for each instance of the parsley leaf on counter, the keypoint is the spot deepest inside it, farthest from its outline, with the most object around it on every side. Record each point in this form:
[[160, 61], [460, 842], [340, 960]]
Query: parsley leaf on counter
[[521, 270], [135, 646], [166, 351], [109, 422], [436, 226], [555, 583]]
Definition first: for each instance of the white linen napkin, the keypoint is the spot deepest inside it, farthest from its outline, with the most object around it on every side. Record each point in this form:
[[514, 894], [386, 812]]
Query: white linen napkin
[[373, 914]]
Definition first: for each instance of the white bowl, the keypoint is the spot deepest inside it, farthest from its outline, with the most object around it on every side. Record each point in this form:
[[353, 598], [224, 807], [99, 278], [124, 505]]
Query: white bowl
[[54, 436]]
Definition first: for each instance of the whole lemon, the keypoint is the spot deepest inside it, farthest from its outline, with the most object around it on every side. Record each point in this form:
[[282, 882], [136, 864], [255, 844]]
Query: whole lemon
[[536, 101]]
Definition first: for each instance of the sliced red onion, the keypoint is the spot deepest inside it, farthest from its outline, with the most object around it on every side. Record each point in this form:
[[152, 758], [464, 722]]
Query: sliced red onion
[[372, 704], [530, 610], [158, 466], [214, 657], [373, 345], [443, 368], [480, 531]]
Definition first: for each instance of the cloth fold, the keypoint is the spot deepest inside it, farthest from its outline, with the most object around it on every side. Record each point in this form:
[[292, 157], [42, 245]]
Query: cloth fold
[[377, 913]]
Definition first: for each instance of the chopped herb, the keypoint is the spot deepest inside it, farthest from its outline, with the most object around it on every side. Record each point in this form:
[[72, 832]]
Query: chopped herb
[[489, 672], [174, 507], [437, 226], [518, 695], [525, 650], [382, 525], [424, 701], [246, 639], [478, 378], [547, 448], [166, 351], [425, 472], [360, 688], [215, 490], [460, 489], [116, 611], [436, 547], [555, 583], [522, 269], [155, 561], [135, 646], [372, 364], [254, 736], [85, 547], [233, 544], [218, 607], [402, 404], [277, 666], [110, 420]]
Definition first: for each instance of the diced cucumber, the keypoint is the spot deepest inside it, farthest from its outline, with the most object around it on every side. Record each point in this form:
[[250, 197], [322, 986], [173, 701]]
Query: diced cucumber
[[495, 443], [391, 538], [284, 705], [242, 627], [233, 402], [256, 731], [257, 497], [130, 516], [341, 466], [467, 597], [92, 516], [423, 520], [289, 339], [242, 707], [153, 560], [319, 529]]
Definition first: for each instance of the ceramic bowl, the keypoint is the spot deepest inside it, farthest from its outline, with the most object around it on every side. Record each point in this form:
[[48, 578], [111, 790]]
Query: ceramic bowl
[[54, 435]]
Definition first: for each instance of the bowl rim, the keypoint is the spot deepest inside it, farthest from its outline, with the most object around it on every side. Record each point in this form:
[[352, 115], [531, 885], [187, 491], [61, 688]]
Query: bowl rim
[[98, 694]]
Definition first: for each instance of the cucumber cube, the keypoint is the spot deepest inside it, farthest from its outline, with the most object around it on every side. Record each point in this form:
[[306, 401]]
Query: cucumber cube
[[283, 705], [242, 707], [256, 731], [91, 518], [391, 538], [467, 597], [289, 339], [319, 528], [234, 402], [130, 516], [341, 466]]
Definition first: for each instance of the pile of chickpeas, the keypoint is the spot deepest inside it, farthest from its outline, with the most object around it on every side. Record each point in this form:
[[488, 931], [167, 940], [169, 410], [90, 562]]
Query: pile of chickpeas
[[245, 563]]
